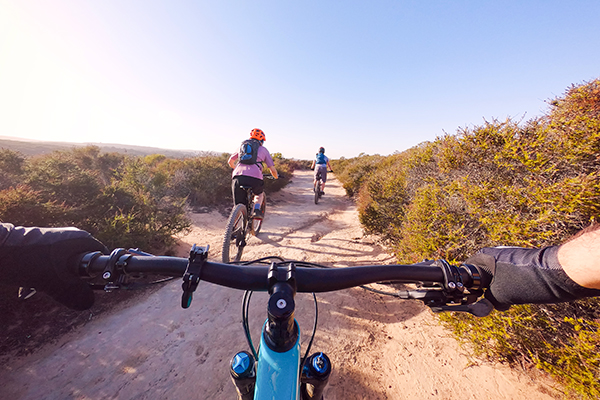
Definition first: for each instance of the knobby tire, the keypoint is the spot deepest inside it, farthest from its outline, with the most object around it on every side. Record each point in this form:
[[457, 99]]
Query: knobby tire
[[234, 238], [317, 190]]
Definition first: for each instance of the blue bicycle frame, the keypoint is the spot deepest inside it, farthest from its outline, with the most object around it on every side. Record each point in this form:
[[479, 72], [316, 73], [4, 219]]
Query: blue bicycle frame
[[281, 373], [278, 374]]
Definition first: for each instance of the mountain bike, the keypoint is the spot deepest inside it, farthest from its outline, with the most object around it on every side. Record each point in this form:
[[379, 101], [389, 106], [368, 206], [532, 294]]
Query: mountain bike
[[278, 370], [317, 187], [240, 225]]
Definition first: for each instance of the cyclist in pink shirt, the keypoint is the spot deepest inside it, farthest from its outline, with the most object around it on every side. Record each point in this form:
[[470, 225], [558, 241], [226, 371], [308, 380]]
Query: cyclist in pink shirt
[[249, 169]]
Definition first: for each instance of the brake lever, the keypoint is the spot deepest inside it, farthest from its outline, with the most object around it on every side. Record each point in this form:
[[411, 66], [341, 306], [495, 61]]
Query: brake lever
[[482, 308], [193, 272], [437, 301]]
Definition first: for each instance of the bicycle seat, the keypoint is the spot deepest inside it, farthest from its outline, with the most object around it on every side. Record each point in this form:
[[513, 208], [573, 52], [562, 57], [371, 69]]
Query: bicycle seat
[[245, 187]]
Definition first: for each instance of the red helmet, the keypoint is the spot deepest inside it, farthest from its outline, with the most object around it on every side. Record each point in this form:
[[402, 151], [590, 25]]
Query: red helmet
[[258, 135]]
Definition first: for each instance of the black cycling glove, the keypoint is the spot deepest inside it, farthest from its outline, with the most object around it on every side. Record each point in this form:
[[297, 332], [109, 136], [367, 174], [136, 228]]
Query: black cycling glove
[[46, 259], [522, 276]]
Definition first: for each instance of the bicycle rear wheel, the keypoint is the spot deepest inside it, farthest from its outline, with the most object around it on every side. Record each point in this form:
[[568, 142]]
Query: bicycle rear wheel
[[317, 190], [256, 224], [234, 238]]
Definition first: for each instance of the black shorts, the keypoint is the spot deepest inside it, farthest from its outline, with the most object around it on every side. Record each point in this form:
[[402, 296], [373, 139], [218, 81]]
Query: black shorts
[[239, 194]]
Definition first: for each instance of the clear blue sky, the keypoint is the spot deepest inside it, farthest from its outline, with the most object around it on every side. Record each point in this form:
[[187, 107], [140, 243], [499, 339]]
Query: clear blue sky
[[352, 76]]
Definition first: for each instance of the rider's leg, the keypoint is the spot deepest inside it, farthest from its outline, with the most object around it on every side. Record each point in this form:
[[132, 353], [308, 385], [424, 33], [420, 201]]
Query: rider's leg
[[258, 199], [239, 195], [257, 212], [323, 180], [316, 175]]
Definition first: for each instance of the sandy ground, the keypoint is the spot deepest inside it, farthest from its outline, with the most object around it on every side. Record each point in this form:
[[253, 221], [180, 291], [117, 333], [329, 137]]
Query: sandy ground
[[381, 348]]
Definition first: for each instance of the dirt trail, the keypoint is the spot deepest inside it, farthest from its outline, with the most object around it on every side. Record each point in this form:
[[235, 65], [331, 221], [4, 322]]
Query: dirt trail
[[381, 348]]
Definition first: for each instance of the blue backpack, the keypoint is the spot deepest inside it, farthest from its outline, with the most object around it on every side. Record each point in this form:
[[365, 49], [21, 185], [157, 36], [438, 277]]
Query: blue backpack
[[321, 158], [248, 153]]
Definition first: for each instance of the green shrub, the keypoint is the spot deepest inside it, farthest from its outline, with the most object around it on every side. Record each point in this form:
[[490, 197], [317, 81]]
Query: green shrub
[[118, 199], [285, 169], [502, 183], [20, 205], [11, 168], [138, 209], [124, 201], [352, 172], [561, 339]]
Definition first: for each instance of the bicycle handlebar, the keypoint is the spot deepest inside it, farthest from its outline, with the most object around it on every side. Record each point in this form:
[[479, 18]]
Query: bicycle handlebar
[[445, 287], [254, 277]]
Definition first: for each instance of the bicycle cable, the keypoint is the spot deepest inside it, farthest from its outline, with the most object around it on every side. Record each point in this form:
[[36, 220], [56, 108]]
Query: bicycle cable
[[248, 295], [132, 285], [245, 321], [246, 302]]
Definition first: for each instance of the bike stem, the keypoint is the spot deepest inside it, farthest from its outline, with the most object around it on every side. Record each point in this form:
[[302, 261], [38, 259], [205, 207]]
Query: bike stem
[[281, 331]]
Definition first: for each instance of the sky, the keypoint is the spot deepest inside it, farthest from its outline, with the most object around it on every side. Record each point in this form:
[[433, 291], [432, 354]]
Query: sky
[[355, 77]]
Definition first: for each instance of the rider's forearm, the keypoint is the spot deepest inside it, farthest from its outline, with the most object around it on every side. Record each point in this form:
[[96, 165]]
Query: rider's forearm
[[522, 276], [580, 258], [274, 172], [4, 232]]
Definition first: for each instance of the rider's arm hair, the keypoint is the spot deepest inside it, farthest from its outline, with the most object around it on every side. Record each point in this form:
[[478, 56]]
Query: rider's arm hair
[[580, 257], [274, 172], [232, 160]]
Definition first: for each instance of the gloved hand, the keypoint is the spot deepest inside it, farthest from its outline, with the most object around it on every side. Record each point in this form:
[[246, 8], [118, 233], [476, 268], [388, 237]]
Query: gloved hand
[[521, 276], [46, 259]]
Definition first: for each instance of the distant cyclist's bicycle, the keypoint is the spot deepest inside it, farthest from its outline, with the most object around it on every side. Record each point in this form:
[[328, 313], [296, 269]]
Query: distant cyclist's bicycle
[[240, 225], [317, 187], [277, 370]]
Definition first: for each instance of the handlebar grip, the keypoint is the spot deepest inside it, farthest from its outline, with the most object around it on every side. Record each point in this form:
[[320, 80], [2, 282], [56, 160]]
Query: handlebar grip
[[92, 263]]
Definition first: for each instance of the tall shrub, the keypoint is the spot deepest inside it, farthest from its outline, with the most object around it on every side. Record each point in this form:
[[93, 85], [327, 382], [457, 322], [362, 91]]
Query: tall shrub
[[502, 183]]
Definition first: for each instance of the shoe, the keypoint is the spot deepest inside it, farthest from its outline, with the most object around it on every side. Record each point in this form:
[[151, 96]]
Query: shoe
[[25, 293], [258, 214], [322, 193]]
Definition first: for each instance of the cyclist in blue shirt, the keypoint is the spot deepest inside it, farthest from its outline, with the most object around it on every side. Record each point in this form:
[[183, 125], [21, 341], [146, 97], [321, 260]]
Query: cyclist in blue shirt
[[321, 164]]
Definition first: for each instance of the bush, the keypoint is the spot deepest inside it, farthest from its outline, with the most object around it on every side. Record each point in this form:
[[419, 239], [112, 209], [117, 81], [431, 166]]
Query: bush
[[21, 205], [139, 209], [352, 172], [120, 200], [285, 169], [123, 201], [11, 168], [503, 183]]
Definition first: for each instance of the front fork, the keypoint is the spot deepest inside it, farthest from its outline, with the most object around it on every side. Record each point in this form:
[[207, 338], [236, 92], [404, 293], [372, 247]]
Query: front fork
[[314, 376], [280, 369]]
